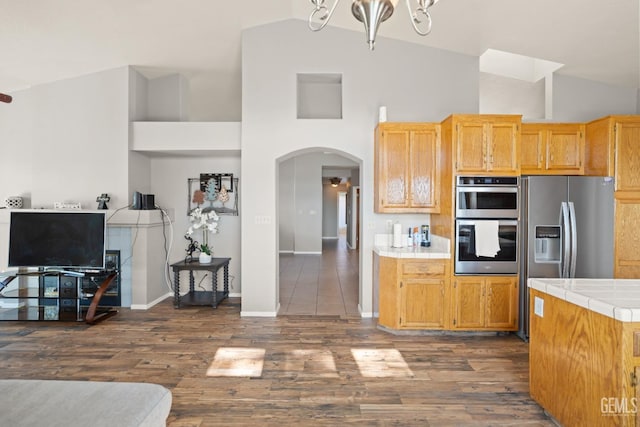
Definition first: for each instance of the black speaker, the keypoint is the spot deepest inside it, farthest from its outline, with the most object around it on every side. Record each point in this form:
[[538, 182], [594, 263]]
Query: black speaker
[[143, 201]]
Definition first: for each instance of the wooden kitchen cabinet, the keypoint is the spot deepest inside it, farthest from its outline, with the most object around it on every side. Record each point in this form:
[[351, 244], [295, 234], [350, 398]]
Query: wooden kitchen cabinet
[[552, 148], [485, 303], [485, 144], [611, 148], [626, 247], [406, 178], [413, 292]]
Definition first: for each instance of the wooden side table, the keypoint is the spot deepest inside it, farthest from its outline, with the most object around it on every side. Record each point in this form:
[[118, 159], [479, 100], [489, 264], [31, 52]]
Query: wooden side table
[[194, 297]]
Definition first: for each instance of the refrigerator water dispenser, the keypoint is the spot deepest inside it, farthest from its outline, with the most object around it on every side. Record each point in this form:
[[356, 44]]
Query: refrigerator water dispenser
[[548, 243]]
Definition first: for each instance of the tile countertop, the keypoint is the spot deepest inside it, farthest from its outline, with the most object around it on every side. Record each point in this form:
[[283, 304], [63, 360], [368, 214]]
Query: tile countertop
[[615, 298], [439, 248]]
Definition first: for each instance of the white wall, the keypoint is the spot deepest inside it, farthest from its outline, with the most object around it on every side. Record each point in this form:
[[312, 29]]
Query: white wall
[[580, 100], [169, 177], [416, 83], [286, 204], [330, 209], [504, 95], [67, 141]]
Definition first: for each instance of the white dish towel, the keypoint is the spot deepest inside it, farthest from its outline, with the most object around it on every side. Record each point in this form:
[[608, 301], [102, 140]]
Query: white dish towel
[[487, 240]]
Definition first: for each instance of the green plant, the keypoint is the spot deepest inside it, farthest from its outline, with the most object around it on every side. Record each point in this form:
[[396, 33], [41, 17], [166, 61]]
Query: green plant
[[205, 249]]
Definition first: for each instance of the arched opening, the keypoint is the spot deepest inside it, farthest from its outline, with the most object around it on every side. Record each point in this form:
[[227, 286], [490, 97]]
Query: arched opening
[[318, 265]]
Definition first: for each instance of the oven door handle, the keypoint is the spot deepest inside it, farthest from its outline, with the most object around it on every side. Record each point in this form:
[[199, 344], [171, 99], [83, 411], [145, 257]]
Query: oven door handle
[[500, 221], [487, 189]]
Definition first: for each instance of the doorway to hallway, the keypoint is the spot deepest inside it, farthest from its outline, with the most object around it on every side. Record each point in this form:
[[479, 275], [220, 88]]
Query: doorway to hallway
[[320, 285]]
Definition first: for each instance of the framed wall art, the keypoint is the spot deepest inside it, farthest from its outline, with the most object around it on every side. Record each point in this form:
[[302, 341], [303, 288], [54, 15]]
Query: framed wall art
[[214, 191]]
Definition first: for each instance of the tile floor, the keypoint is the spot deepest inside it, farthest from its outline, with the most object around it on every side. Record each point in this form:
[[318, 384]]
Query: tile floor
[[320, 285]]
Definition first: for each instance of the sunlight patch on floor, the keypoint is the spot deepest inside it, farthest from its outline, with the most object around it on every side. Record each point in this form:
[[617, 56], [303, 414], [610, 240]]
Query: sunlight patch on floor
[[380, 363], [315, 363], [237, 362]]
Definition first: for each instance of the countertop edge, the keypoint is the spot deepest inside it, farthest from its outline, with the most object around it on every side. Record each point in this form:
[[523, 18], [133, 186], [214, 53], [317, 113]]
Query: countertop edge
[[603, 296]]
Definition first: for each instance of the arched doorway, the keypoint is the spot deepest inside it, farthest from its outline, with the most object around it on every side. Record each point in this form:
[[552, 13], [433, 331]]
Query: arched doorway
[[318, 267]]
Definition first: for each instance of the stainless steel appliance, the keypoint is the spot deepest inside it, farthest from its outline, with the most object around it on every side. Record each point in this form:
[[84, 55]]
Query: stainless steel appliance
[[487, 197], [567, 231], [487, 212], [467, 259]]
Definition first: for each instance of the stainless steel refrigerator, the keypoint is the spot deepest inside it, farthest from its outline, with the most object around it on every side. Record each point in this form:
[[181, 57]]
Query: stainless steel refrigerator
[[567, 231]]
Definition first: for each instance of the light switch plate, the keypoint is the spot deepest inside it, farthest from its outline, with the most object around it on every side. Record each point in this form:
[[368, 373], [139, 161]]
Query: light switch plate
[[538, 306]]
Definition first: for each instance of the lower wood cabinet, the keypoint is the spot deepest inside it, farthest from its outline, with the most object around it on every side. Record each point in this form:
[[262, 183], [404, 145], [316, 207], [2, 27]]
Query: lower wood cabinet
[[485, 303], [421, 294], [413, 293]]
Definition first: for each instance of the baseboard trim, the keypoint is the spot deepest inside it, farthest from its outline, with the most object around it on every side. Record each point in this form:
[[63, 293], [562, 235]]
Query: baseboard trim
[[329, 238], [307, 253], [152, 303], [285, 252], [258, 314], [363, 314]]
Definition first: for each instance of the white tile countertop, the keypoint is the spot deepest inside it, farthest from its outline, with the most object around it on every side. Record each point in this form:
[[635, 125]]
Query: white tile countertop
[[439, 248], [615, 298]]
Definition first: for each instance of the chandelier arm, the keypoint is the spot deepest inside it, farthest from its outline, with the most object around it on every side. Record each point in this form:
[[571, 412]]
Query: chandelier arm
[[323, 14], [422, 9]]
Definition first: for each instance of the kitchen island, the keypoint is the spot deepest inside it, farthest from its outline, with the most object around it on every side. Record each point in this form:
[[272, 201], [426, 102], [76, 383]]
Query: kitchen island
[[584, 353]]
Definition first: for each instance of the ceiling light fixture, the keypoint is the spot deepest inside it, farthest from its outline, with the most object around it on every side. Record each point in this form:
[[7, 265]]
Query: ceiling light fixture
[[335, 181], [371, 13]]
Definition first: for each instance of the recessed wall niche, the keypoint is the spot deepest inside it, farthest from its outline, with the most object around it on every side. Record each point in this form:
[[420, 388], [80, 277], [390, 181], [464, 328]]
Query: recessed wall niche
[[319, 96]]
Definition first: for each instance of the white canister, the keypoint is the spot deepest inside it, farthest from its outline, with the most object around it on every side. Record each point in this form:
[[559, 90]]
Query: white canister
[[382, 114]]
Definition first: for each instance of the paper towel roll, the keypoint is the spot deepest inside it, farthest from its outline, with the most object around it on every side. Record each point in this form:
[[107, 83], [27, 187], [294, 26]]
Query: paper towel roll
[[397, 235]]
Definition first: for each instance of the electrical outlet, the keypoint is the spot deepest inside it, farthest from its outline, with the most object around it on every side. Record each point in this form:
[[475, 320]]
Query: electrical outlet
[[538, 306]]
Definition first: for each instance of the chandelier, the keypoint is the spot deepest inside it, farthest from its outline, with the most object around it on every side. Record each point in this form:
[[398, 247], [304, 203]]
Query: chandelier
[[371, 13], [335, 181]]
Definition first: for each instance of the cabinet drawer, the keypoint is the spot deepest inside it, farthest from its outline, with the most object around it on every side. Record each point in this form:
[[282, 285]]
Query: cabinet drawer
[[429, 268]]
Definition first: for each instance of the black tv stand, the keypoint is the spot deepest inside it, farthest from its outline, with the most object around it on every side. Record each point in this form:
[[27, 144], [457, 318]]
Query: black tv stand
[[64, 295]]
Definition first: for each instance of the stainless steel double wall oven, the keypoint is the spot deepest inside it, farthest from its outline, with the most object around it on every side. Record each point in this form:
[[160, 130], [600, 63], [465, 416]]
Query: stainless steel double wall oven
[[491, 203]]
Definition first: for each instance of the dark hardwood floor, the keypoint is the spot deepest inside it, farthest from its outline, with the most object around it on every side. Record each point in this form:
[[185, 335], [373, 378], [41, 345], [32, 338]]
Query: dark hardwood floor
[[291, 370]]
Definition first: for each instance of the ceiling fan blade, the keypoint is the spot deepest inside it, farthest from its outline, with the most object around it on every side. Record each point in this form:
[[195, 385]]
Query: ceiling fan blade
[[5, 98]]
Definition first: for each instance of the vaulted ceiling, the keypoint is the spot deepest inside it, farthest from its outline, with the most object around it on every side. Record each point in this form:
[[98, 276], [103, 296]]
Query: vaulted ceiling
[[47, 40]]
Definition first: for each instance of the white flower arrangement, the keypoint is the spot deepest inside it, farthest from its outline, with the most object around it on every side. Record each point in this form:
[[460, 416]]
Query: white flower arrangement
[[208, 222]]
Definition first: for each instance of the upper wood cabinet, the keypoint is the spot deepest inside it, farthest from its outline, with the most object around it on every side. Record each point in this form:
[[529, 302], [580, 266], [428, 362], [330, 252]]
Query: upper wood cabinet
[[406, 168], [611, 148], [485, 144], [552, 149]]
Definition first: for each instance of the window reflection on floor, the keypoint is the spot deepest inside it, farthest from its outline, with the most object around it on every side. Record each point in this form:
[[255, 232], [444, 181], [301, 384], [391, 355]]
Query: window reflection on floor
[[237, 362]]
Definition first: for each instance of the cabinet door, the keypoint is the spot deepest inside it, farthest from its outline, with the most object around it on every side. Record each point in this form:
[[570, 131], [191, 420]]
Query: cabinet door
[[627, 160], [469, 303], [532, 150], [626, 238], [422, 303], [393, 174], [423, 161], [565, 149], [502, 303], [471, 149], [503, 148]]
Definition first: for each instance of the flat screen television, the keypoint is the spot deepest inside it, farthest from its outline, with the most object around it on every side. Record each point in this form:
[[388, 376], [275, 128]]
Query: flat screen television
[[57, 239]]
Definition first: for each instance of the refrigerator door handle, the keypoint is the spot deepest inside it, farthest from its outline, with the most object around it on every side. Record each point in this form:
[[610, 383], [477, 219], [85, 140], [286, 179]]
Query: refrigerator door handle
[[574, 241], [566, 239]]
